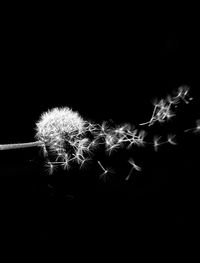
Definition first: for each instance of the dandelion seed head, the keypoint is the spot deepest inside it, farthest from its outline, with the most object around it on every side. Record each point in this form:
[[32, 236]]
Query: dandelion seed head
[[59, 122], [62, 131]]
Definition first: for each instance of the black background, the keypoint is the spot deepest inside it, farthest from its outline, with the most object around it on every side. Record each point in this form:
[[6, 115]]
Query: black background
[[105, 65]]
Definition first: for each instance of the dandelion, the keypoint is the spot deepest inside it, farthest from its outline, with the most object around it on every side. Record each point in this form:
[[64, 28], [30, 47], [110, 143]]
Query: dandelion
[[65, 137], [57, 124], [60, 132]]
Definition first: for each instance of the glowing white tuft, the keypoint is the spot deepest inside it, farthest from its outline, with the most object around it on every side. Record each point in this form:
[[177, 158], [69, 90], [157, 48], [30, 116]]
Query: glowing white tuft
[[60, 129], [59, 122]]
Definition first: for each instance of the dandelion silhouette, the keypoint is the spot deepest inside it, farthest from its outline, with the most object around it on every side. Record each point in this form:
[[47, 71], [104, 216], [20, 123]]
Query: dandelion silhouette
[[65, 137]]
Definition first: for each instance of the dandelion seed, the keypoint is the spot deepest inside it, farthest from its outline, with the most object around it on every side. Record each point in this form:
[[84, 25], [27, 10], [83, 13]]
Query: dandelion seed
[[109, 140], [50, 167], [105, 174], [156, 142], [101, 166], [84, 163], [140, 138], [183, 92], [171, 139], [93, 145], [104, 128], [65, 163], [77, 157], [105, 171], [134, 167]]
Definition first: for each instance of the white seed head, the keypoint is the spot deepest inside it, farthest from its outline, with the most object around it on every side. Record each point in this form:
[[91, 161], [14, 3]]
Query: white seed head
[[62, 130], [59, 123]]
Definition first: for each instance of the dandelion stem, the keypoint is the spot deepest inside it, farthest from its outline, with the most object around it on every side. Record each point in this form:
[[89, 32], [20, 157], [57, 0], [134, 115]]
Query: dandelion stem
[[20, 145]]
